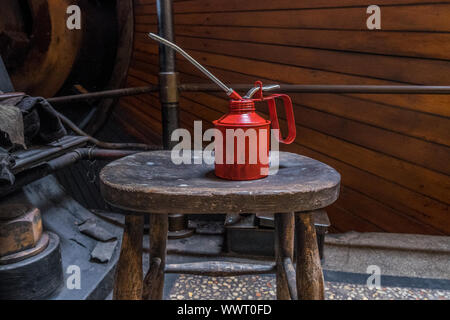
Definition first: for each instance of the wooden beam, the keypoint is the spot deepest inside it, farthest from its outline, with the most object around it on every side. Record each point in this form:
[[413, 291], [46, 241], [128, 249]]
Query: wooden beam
[[284, 247], [289, 270], [151, 278], [220, 268], [154, 284], [128, 283], [310, 283]]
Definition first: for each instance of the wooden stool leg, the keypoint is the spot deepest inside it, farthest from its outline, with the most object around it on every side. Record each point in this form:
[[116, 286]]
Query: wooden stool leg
[[154, 280], [128, 282], [310, 283], [284, 247]]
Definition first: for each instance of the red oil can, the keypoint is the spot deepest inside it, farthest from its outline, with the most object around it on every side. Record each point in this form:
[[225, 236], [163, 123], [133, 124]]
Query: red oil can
[[242, 138]]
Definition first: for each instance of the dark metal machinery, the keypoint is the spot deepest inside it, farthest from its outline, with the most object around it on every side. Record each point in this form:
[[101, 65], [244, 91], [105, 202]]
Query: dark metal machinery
[[31, 257]]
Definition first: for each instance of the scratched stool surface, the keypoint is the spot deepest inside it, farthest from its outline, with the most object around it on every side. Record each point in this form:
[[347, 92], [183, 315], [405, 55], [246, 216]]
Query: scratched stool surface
[[150, 182]]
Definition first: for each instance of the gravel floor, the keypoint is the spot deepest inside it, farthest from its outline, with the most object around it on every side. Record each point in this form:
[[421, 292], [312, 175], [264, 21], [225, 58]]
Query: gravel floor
[[262, 287], [344, 291]]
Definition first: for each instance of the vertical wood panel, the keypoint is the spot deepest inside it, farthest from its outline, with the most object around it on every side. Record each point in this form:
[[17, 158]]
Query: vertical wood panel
[[393, 151]]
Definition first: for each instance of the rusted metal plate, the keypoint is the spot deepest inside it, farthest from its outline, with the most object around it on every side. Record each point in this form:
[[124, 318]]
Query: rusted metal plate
[[151, 182]]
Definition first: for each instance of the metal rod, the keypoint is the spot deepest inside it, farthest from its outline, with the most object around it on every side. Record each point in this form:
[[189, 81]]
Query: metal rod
[[107, 145], [220, 268], [86, 153], [300, 88], [284, 88], [378, 89], [104, 94], [164, 12], [168, 82], [167, 76]]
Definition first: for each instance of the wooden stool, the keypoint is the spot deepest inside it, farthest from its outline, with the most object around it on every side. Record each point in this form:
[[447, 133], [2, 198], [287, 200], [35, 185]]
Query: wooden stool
[[150, 183]]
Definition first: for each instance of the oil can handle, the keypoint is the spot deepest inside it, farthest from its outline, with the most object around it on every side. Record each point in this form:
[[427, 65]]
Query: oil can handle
[[271, 100]]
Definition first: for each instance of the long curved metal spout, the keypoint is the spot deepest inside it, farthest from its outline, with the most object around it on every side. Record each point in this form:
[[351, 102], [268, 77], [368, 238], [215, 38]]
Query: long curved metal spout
[[229, 91]]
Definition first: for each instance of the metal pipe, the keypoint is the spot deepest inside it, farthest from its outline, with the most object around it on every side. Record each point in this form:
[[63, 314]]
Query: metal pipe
[[107, 145], [168, 82], [299, 88], [284, 88], [86, 153], [372, 89], [103, 94], [164, 12], [167, 77]]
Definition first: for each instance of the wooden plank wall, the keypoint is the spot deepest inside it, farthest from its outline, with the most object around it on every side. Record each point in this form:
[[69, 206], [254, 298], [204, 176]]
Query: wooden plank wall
[[393, 151]]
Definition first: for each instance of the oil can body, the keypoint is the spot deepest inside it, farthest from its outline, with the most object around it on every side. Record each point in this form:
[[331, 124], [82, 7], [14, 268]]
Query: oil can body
[[242, 143]]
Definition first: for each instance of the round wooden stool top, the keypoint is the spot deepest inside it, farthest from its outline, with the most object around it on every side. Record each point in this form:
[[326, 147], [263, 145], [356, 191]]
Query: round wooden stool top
[[150, 182]]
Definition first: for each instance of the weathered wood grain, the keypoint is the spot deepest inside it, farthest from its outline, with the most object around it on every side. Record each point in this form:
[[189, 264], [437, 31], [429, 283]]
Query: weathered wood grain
[[151, 182], [128, 281], [151, 278], [144, 7], [387, 147], [310, 283], [284, 247], [291, 277], [154, 282], [219, 268]]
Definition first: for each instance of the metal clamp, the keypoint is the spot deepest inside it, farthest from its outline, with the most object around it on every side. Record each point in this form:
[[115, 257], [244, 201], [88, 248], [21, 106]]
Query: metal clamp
[[168, 90]]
